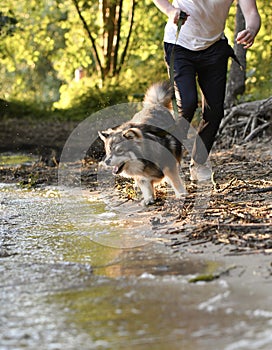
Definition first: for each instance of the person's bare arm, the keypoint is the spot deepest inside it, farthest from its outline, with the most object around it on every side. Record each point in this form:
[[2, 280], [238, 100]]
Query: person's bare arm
[[253, 22], [168, 9]]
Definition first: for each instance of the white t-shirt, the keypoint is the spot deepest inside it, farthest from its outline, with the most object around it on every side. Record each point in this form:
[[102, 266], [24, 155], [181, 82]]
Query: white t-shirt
[[204, 26]]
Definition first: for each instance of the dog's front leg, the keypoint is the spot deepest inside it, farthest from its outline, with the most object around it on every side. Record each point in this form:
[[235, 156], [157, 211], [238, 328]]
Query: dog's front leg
[[147, 190]]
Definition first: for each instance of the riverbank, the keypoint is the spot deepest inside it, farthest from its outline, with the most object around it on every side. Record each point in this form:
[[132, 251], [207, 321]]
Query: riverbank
[[237, 208], [185, 273]]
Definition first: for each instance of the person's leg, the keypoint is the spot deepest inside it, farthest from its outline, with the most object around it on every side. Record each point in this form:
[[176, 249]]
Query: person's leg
[[184, 84], [212, 81]]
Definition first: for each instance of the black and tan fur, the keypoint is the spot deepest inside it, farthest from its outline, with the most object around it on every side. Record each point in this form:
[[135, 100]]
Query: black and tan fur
[[145, 148]]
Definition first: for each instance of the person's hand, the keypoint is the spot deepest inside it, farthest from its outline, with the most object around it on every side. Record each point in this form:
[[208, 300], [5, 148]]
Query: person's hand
[[246, 37], [174, 15]]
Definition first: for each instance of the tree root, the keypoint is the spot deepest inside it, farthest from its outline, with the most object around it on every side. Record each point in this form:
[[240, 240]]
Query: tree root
[[244, 122]]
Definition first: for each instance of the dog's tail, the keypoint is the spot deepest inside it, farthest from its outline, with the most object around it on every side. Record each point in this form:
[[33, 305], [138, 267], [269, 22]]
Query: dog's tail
[[159, 94]]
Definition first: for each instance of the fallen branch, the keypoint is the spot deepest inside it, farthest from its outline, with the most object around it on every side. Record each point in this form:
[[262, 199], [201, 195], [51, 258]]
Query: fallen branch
[[261, 190], [247, 225], [212, 276]]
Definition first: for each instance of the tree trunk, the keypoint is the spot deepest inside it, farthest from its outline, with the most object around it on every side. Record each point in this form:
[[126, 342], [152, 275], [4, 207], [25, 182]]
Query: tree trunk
[[110, 30], [113, 59], [107, 56], [237, 76], [97, 60]]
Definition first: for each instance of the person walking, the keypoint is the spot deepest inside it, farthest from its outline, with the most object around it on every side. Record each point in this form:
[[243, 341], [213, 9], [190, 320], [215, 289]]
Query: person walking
[[201, 53]]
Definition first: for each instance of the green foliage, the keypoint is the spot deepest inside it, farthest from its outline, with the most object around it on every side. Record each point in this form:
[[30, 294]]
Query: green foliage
[[23, 109], [48, 43], [7, 25], [80, 99], [27, 56]]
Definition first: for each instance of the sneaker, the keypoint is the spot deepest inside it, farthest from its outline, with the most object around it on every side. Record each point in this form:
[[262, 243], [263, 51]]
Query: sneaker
[[200, 172]]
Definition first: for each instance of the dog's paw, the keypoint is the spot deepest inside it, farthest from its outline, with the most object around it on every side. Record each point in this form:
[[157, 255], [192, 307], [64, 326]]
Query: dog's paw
[[147, 202]]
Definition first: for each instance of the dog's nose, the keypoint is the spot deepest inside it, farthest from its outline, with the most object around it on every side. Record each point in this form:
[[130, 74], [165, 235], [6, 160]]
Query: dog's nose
[[107, 161]]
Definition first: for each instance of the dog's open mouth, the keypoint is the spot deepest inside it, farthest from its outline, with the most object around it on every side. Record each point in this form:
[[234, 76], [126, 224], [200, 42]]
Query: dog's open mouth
[[118, 169]]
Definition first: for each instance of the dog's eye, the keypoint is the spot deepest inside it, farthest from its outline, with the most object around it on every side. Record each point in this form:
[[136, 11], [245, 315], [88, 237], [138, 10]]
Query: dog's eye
[[119, 151]]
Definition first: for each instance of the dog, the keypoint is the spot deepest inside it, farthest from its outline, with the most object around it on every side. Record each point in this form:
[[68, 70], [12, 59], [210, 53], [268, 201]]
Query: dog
[[145, 148]]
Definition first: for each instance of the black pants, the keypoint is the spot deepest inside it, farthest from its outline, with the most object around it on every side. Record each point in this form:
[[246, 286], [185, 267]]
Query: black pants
[[209, 68]]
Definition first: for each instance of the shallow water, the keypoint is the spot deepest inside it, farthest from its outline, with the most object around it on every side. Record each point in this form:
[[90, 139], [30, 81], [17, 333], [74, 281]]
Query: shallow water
[[75, 275], [10, 159]]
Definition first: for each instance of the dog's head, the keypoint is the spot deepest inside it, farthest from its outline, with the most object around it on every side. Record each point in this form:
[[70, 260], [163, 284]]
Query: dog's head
[[122, 147]]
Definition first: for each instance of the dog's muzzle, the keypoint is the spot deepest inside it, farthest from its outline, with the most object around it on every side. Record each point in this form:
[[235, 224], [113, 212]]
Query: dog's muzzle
[[118, 169]]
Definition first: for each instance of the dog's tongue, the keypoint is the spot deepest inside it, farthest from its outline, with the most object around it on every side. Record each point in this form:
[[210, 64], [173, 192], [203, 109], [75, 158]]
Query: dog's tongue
[[115, 170]]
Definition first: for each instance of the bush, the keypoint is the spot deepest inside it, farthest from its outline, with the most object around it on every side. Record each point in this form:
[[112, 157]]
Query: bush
[[20, 109], [80, 99]]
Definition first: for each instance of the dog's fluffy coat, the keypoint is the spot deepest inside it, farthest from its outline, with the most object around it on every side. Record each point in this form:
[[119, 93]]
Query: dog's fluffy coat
[[145, 148]]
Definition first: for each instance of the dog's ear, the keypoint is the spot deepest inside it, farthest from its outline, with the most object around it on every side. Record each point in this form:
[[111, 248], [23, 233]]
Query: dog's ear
[[104, 134], [133, 133]]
